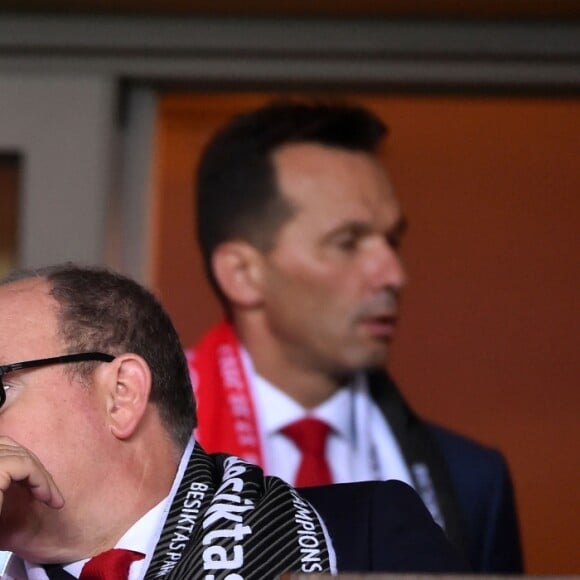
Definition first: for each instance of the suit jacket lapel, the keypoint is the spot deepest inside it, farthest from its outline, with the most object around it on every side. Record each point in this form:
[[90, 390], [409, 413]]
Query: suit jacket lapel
[[421, 453]]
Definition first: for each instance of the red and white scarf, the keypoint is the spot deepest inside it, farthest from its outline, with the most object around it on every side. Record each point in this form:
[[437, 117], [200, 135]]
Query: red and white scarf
[[225, 410]]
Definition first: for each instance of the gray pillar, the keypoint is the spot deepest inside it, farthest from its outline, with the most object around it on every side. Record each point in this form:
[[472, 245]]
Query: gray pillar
[[63, 126]]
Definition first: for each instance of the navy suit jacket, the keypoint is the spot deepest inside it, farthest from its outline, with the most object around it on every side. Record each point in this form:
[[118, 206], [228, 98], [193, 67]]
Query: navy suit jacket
[[383, 526], [471, 483]]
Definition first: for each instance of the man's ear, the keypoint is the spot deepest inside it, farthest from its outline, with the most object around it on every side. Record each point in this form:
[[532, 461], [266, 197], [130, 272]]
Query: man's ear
[[128, 385], [237, 267]]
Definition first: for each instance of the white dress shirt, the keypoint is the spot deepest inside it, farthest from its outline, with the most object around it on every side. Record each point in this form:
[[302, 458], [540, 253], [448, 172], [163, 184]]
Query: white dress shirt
[[360, 446]]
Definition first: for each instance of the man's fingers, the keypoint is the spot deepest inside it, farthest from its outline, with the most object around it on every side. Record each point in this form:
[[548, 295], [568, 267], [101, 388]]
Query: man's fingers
[[18, 465]]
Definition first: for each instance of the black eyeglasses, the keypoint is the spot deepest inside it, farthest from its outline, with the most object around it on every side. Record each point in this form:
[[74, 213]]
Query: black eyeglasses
[[67, 358]]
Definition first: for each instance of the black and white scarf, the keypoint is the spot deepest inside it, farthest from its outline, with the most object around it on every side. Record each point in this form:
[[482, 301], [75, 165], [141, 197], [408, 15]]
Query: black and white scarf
[[228, 521]]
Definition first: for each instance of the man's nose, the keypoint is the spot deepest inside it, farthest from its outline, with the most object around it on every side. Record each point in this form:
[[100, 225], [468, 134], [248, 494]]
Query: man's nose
[[388, 268]]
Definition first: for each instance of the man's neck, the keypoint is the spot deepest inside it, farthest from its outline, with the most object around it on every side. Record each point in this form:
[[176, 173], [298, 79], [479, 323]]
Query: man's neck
[[307, 385]]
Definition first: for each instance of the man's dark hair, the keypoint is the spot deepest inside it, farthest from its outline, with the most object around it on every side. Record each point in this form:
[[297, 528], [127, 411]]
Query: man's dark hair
[[101, 310], [237, 193]]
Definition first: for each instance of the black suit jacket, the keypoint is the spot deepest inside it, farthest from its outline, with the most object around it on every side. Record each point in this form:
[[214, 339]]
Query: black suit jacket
[[471, 483], [382, 526]]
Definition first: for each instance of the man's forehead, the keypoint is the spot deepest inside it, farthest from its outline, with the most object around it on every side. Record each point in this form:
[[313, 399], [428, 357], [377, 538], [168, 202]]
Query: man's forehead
[[334, 184], [26, 289], [27, 312]]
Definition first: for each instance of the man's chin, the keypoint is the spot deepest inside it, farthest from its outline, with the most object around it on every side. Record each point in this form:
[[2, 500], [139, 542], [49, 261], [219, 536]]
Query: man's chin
[[376, 354], [12, 533], [370, 357], [19, 520]]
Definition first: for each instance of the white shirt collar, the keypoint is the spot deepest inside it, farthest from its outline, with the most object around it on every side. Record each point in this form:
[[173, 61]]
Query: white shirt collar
[[360, 447]]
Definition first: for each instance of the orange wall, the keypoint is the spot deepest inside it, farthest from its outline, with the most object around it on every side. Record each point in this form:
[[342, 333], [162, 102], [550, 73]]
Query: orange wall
[[488, 340]]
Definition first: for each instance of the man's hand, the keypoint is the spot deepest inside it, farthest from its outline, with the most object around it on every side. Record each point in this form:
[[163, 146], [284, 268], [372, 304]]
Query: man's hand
[[20, 466]]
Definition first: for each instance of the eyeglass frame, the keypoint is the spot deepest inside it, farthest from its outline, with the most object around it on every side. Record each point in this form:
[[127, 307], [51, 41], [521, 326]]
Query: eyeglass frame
[[41, 362]]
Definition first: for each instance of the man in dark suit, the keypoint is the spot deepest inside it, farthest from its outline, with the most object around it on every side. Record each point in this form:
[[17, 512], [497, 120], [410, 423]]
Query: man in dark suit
[[299, 229], [100, 476]]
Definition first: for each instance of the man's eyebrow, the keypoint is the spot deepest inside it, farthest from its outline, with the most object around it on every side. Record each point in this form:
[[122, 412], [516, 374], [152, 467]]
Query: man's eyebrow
[[359, 228], [355, 227]]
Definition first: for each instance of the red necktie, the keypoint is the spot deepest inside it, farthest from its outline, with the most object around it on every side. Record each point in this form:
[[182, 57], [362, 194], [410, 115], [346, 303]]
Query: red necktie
[[310, 435], [110, 565]]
